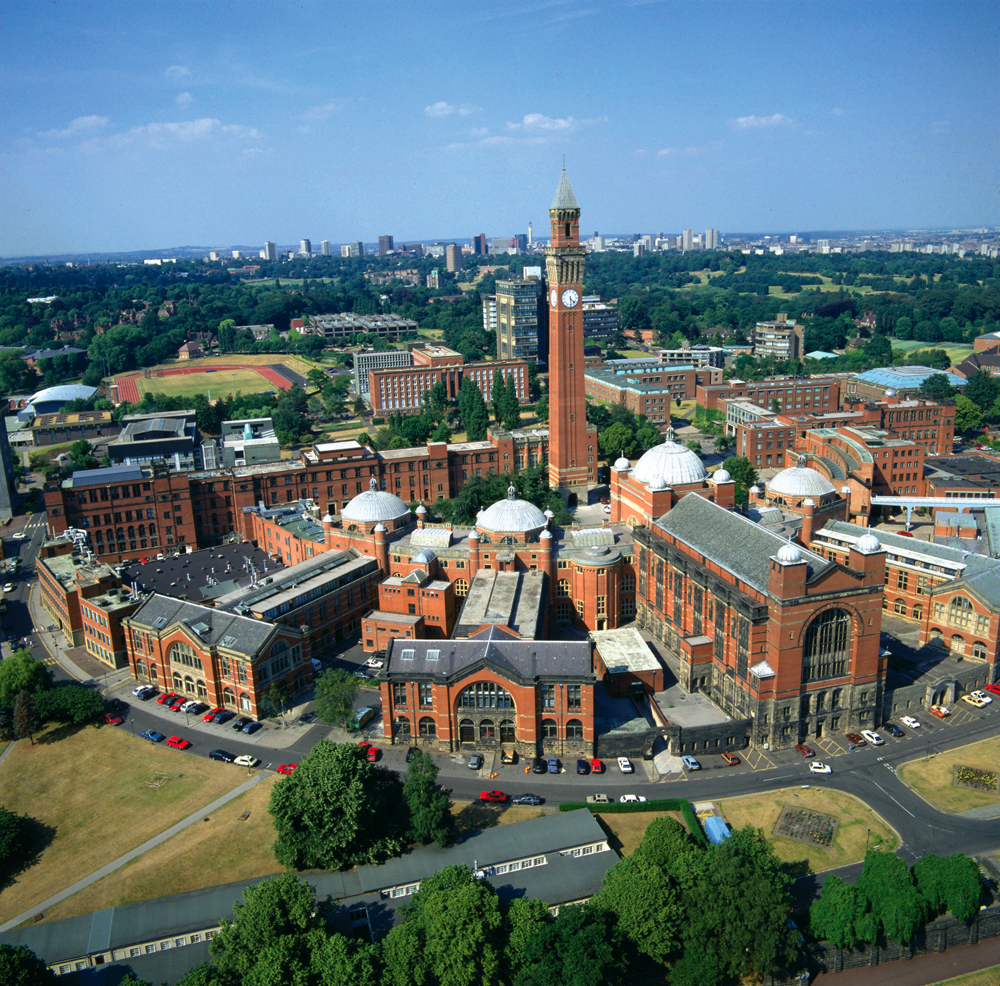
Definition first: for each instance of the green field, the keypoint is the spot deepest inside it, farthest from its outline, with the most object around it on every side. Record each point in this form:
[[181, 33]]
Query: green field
[[218, 384], [956, 351]]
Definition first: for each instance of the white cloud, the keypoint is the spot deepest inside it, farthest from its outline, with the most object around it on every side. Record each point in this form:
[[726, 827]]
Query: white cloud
[[177, 72], [534, 128], [183, 98], [641, 152], [479, 131], [440, 109], [324, 111], [836, 111], [680, 151], [81, 125], [566, 124], [750, 122], [163, 135]]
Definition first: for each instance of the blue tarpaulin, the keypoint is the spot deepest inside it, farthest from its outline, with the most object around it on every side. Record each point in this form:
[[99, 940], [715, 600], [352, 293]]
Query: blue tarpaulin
[[716, 829]]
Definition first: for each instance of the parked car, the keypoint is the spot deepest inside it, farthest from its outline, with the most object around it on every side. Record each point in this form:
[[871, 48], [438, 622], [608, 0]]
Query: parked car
[[598, 799], [8, 587], [978, 699], [508, 757], [940, 711], [893, 730], [497, 797], [475, 761], [631, 797], [224, 755], [910, 721], [153, 736], [224, 716], [191, 705], [178, 703], [245, 760], [527, 799], [177, 743], [251, 727], [538, 766], [625, 765], [144, 694], [806, 751], [375, 663], [690, 763], [818, 767], [994, 688], [287, 768], [117, 705], [371, 754], [361, 674], [582, 767], [553, 765], [597, 766], [212, 713], [411, 753], [139, 689], [731, 759], [166, 698], [113, 720], [240, 723], [856, 738], [872, 737]]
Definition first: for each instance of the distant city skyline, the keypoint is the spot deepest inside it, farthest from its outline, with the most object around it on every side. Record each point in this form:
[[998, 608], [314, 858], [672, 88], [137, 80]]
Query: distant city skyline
[[141, 126]]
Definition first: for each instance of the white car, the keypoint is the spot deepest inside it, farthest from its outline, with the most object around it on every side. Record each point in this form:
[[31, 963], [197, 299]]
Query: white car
[[139, 689], [190, 705], [19, 536], [625, 765], [982, 696], [691, 763], [909, 721], [818, 767], [631, 797], [9, 587], [376, 663], [246, 761], [872, 737]]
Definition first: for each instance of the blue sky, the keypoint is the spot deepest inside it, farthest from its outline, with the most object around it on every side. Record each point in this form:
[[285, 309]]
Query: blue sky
[[151, 124]]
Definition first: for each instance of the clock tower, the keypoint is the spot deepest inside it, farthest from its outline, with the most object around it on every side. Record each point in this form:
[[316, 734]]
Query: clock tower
[[572, 443]]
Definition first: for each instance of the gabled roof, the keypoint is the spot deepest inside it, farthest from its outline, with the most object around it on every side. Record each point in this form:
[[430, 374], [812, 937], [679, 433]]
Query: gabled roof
[[730, 540]]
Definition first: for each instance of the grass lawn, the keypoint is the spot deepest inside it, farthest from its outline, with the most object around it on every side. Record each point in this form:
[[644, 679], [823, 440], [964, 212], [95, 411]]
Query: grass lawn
[[89, 787], [190, 384], [222, 850], [472, 816], [956, 351], [625, 831], [856, 820], [932, 778], [984, 977]]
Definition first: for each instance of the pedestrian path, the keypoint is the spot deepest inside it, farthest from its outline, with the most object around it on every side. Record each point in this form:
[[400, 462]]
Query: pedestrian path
[[134, 853]]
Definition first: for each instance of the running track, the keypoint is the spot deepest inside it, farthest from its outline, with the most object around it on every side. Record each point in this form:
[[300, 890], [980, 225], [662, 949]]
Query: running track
[[277, 376]]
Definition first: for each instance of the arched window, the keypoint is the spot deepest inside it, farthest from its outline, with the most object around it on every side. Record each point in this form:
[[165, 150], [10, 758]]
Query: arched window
[[549, 729], [827, 646], [562, 587], [960, 612], [188, 684], [508, 731], [178, 682], [152, 671], [485, 539], [979, 650], [461, 587], [918, 611], [957, 644], [181, 653], [899, 607], [508, 539], [401, 726], [574, 729], [140, 668], [228, 696], [626, 608], [428, 727], [487, 730], [466, 731], [485, 695], [201, 689], [245, 702]]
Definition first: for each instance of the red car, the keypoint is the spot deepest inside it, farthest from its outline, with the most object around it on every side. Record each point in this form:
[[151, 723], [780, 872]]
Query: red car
[[993, 688], [175, 705], [177, 743], [371, 754], [112, 720], [212, 713], [856, 738], [804, 750], [940, 711], [287, 768], [596, 766], [497, 796], [167, 698]]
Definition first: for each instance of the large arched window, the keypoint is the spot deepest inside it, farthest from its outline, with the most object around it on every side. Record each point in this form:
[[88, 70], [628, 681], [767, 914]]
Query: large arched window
[[508, 731], [140, 668], [485, 695], [960, 612], [957, 645], [918, 611], [178, 682], [979, 650], [461, 587], [549, 729], [466, 731], [202, 690], [487, 730], [428, 727], [899, 607], [827, 646], [574, 729], [181, 653], [562, 587], [401, 726], [245, 702], [228, 697]]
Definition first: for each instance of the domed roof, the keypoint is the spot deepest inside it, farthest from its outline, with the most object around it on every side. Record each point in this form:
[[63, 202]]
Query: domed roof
[[546, 535], [329, 519], [722, 476], [800, 480], [424, 557], [868, 544], [789, 554], [669, 464], [421, 509], [621, 463], [374, 505], [511, 515]]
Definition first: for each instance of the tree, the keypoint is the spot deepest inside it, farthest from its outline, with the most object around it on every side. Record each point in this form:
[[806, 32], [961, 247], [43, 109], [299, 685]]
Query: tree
[[617, 440], [835, 915], [511, 406], [337, 810], [968, 416], [14, 838], [895, 907], [451, 933], [497, 396], [982, 389], [22, 673], [582, 947], [668, 844], [949, 884], [26, 719], [430, 820], [525, 919], [542, 408], [472, 410], [74, 704], [19, 966], [276, 928], [646, 903], [206, 974], [346, 962], [336, 690], [131, 979], [743, 473]]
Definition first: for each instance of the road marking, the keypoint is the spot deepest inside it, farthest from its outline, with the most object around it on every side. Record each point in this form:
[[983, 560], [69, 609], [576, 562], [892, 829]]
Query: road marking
[[891, 798]]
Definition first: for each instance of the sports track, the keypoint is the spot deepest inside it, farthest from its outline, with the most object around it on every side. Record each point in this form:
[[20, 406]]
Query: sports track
[[275, 374]]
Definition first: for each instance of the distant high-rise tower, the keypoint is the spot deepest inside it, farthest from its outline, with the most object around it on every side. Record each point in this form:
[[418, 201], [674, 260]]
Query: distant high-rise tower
[[572, 443], [687, 240], [324, 248], [384, 245], [305, 248], [453, 257], [479, 246], [529, 235], [270, 251], [711, 239]]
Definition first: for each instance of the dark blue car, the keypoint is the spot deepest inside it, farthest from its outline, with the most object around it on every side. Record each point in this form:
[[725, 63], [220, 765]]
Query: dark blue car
[[153, 736]]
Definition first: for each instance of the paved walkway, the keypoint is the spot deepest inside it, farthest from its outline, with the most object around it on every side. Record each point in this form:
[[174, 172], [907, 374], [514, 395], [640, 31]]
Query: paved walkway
[[134, 853]]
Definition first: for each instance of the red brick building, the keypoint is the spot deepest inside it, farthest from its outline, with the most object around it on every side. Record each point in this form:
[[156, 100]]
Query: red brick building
[[778, 394]]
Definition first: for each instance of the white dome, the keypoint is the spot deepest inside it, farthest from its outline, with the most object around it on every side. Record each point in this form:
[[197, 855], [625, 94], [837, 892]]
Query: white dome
[[511, 515], [755, 488], [380, 529], [670, 464], [473, 535], [421, 509], [868, 544], [846, 490], [722, 476], [374, 505], [329, 519], [546, 535], [424, 557], [808, 502], [800, 480], [621, 464], [789, 554]]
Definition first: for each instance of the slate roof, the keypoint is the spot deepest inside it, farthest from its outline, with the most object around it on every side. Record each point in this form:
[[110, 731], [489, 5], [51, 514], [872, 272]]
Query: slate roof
[[564, 197], [98, 477], [736, 544], [248, 635], [524, 659]]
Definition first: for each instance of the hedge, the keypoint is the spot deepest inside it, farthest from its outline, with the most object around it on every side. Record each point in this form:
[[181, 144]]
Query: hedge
[[662, 804]]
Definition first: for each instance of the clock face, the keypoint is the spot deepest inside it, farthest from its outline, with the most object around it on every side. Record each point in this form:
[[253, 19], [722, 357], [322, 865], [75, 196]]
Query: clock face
[[553, 297], [570, 298]]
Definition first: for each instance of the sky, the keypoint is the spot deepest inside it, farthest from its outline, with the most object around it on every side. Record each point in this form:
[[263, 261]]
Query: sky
[[146, 124]]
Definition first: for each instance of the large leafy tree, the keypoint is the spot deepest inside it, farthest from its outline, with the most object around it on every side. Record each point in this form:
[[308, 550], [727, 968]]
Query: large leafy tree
[[511, 404], [525, 919], [337, 810], [336, 690], [14, 839], [951, 884], [19, 966], [70, 704], [346, 962], [26, 720], [837, 912], [430, 820], [451, 934], [22, 673], [982, 389], [895, 908]]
